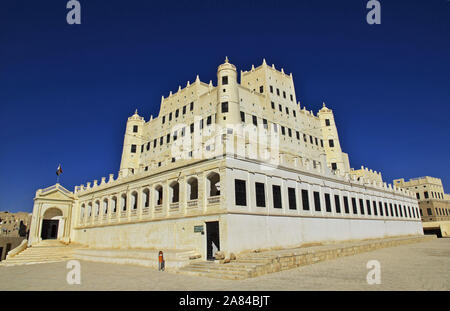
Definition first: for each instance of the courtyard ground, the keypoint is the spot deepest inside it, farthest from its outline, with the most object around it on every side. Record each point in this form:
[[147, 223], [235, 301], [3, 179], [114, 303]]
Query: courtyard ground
[[417, 266]]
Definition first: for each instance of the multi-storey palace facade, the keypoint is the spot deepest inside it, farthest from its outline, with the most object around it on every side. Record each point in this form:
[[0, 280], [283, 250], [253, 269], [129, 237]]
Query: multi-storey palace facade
[[232, 167]]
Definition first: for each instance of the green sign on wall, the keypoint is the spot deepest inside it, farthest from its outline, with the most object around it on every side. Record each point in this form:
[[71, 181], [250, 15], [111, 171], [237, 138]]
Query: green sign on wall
[[198, 228]]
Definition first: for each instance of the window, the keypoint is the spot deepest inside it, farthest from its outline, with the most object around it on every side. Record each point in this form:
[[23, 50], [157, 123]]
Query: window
[[327, 122], [375, 212], [184, 109], [426, 194], [142, 148], [168, 138], [261, 89], [297, 134], [265, 123], [361, 206], [175, 136], [183, 131], [380, 206], [311, 139], [240, 192], [208, 120], [293, 112], [317, 201], [280, 108], [287, 110], [191, 106], [224, 80], [284, 94], [289, 132], [369, 212], [337, 203], [276, 191], [396, 210], [271, 88], [255, 121], [333, 166], [260, 195], [192, 128], [327, 203], [331, 143], [305, 200], [135, 128], [275, 128], [292, 199], [386, 210], [148, 146], [355, 209], [272, 104], [170, 116], [283, 131], [304, 138], [163, 119], [317, 142], [133, 148], [430, 213], [278, 92], [292, 99], [418, 196], [243, 116], [392, 210], [161, 140], [224, 107], [154, 143]]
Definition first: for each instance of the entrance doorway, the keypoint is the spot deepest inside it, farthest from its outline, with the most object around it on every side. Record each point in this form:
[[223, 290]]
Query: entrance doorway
[[212, 239], [49, 229]]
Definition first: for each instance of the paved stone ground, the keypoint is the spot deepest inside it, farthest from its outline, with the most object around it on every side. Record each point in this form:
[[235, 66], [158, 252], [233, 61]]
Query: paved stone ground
[[418, 266]]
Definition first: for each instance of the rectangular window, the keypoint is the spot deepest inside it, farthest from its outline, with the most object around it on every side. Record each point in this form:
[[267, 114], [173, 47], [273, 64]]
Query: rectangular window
[[192, 128], [361, 206], [184, 109], [317, 142], [283, 131], [154, 143], [311, 139], [161, 140], [289, 132], [333, 166], [293, 112], [327, 122], [255, 120], [163, 119], [327, 203], [280, 108], [177, 113], [201, 124], [292, 199], [175, 136], [208, 120], [224, 80], [392, 209], [337, 204], [305, 200], [346, 207], [260, 195], [168, 138], [317, 201], [401, 209], [191, 106], [148, 146], [133, 148], [375, 212], [396, 210], [170, 116], [272, 104], [355, 208], [240, 192], [278, 92], [135, 128], [275, 128], [297, 133], [292, 98], [265, 123], [304, 138], [287, 110], [276, 191], [142, 148], [271, 88], [331, 143], [380, 206], [261, 89], [284, 94], [242, 117], [224, 107], [425, 194], [369, 212], [429, 211]]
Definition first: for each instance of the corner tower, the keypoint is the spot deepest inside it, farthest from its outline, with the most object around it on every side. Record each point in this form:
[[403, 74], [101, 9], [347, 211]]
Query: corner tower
[[228, 110], [131, 145]]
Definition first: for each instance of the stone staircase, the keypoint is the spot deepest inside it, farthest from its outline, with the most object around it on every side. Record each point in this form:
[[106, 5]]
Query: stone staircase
[[255, 264], [44, 252]]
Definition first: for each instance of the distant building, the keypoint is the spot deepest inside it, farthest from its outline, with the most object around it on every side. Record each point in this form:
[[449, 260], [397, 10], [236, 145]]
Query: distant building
[[434, 203], [13, 229]]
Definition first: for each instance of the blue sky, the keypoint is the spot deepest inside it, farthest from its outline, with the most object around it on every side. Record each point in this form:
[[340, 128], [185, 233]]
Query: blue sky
[[66, 90]]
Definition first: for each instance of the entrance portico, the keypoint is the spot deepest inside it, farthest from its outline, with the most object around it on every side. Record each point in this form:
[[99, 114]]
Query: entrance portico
[[51, 215]]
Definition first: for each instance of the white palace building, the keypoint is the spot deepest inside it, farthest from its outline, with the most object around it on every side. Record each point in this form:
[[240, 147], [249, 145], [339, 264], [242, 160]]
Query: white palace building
[[233, 167]]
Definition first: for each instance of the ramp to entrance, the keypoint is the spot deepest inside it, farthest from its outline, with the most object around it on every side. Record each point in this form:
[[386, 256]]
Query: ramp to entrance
[[256, 264], [44, 252]]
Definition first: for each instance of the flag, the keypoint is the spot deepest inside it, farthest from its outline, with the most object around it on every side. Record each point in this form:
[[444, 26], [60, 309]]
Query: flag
[[59, 170]]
